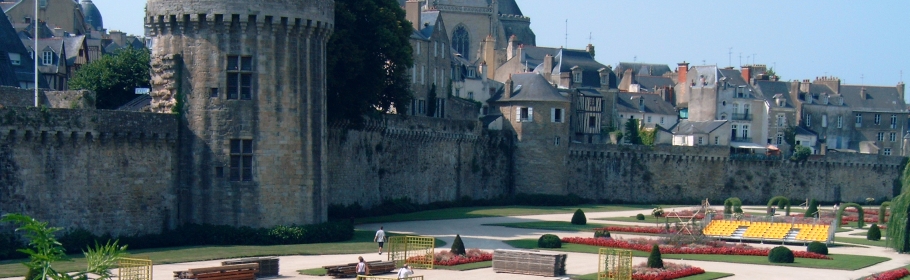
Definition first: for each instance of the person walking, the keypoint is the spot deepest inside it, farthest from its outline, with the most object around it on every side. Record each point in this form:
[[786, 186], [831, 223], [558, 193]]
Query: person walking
[[405, 272], [362, 267], [380, 238]]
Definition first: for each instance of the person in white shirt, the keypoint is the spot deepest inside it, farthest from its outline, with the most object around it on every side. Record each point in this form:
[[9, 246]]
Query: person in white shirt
[[405, 272], [380, 238], [362, 267]]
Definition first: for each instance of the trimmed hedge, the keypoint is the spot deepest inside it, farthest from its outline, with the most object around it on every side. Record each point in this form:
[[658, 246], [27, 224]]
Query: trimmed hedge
[[404, 205], [458, 246], [817, 247], [780, 254], [874, 234], [579, 218], [601, 233], [549, 241], [640, 217]]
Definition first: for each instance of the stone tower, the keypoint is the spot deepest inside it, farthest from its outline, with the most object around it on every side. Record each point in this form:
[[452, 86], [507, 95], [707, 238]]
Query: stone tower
[[247, 79]]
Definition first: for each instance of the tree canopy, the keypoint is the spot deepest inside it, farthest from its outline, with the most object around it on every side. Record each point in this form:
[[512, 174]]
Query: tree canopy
[[114, 77], [368, 58]]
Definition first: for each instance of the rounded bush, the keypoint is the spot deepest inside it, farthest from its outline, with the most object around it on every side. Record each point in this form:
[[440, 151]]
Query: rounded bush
[[601, 233], [549, 241], [579, 218], [874, 234], [780, 254], [458, 246], [640, 217], [817, 247]]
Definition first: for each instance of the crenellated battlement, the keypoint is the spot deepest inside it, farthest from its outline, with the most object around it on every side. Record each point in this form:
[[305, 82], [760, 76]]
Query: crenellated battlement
[[50, 126], [167, 16]]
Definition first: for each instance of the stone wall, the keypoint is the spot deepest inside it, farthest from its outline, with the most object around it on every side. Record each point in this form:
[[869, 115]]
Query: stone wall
[[72, 99], [105, 171], [424, 159], [668, 174]]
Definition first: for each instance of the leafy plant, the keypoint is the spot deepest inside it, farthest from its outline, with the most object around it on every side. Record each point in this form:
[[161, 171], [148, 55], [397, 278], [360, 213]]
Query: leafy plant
[[780, 254], [458, 246], [817, 247], [781, 202], [640, 217], [655, 260], [114, 77], [874, 233], [579, 218], [549, 241], [801, 153], [632, 130]]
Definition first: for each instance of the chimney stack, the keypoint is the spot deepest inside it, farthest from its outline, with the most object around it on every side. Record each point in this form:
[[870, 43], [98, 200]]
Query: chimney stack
[[747, 73], [547, 66], [682, 70], [900, 90], [412, 13], [58, 32], [590, 49], [514, 44], [507, 91], [489, 56]]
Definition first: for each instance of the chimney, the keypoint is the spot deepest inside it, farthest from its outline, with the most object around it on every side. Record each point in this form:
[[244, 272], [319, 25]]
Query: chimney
[[507, 91], [489, 55], [626, 82], [412, 13], [805, 86], [747, 73], [547, 66], [831, 82], [590, 49], [683, 71], [900, 90], [513, 49]]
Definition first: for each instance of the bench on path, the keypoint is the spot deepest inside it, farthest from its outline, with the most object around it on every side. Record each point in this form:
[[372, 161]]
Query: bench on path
[[529, 262], [227, 272], [350, 270]]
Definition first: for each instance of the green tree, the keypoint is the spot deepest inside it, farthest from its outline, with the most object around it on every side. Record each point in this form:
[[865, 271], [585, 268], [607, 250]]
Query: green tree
[[655, 260], [114, 77], [874, 233], [458, 246], [801, 154], [647, 136], [633, 132], [790, 137], [367, 60], [431, 101], [579, 218]]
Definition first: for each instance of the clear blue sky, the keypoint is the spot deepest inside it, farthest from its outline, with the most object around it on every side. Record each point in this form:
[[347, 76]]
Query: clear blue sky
[[858, 41]]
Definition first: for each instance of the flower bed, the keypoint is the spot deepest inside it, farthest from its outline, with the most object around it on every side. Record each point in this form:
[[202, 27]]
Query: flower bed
[[636, 229], [698, 249], [446, 258], [888, 275], [670, 271]]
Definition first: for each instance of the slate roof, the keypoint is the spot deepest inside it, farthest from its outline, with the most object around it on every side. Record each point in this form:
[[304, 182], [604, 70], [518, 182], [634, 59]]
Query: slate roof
[[877, 98], [628, 103], [140, 103], [687, 127], [73, 44], [509, 7], [803, 131], [56, 45], [643, 69], [531, 87], [651, 82], [92, 15], [767, 90], [566, 59], [11, 43]]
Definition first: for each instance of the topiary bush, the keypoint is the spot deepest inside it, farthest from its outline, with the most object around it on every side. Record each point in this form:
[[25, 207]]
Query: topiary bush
[[813, 208], [458, 246], [640, 217], [655, 260], [601, 233], [579, 218], [874, 234], [817, 247], [549, 241], [780, 254]]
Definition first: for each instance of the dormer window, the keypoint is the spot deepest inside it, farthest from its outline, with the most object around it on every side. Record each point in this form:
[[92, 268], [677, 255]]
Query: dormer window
[[48, 58], [471, 72], [576, 77], [603, 80], [15, 58]]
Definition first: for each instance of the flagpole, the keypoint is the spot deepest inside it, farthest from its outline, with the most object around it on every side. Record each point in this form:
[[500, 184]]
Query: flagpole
[[36, 52]]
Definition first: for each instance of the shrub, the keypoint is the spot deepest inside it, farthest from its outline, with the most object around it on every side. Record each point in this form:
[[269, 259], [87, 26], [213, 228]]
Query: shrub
[[458, 246], [9, 243], [654, 260], [874, 234], [579, 218], [780, 254], [549, 241], [601, 233], [640, 217], [813, 208], [818, 248]]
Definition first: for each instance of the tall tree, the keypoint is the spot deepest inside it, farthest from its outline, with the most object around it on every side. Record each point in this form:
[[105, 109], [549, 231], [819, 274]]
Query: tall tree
[[632, 131], [114, 77], [368, 60]]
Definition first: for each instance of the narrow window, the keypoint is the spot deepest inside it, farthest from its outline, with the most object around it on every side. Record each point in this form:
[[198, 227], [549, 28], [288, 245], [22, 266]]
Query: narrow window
[[649, 119], [881, 136], [577, 77], [840, 121], [893, 121], [556, 115], [716, 140], [859, 120], [780, 138], [213, 92], [239, 77], [878, 118], [592, 121], [824, 120], [700, 140], [556, 141], [48, 58], [893, 137], [241, 159]]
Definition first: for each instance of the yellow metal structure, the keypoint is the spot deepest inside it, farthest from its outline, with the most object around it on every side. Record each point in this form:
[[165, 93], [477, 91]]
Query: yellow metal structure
[[416, 251], [362, 277], [134, 269], [614, 264]]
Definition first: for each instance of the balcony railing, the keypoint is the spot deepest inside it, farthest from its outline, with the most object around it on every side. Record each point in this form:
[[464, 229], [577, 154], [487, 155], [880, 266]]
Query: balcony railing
[[741, 139], [742, 117]]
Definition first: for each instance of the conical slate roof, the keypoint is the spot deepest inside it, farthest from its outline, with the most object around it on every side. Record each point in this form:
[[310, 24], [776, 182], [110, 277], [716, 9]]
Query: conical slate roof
[[92, 15]]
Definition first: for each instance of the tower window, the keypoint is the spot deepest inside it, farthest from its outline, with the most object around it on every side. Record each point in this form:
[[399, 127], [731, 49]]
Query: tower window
[[241, 160], [461, 41], [239, 77]]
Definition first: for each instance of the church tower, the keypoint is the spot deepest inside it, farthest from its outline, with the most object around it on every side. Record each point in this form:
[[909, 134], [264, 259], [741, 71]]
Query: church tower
[[247, 80]]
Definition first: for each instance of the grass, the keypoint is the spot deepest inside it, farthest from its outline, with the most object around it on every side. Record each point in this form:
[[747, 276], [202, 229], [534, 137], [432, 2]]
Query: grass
[[361, 243], [499, 211], [313, 271], [860, 241], [463, 267], [838, 261], [551, 225], [863, 234], [708, 275], [632, 219]]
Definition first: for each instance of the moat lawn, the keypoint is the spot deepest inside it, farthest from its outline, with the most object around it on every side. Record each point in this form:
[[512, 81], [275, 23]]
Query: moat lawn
[[497, 211], [838, 261], [362, 243]]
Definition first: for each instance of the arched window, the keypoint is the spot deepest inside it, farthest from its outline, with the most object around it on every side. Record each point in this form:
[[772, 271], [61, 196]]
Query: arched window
[[461, 41]]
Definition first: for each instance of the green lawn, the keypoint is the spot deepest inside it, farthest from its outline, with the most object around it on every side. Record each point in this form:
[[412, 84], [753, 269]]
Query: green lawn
[[467, 266], [313, 271], [708, 275], [841, 262], [362, 243], [551, 225], [648, 220], [860, 241], [499, 211]]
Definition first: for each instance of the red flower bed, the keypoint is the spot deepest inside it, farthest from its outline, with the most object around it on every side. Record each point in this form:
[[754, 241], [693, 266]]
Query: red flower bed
[[887, 275], [614, 243], [670, 271], [868, 211], [446, 258], [635, 229]]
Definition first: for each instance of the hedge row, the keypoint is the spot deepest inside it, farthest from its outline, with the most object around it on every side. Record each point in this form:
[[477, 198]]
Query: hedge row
[[404, 205], [77, 240]]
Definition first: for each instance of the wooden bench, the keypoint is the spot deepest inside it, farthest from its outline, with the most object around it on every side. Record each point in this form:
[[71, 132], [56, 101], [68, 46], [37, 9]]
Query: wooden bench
[[227, 272], [350, 270], [268, 266]]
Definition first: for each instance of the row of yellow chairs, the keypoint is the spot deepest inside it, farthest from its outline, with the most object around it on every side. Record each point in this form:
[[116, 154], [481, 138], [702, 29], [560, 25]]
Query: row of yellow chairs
[[807, 232]]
